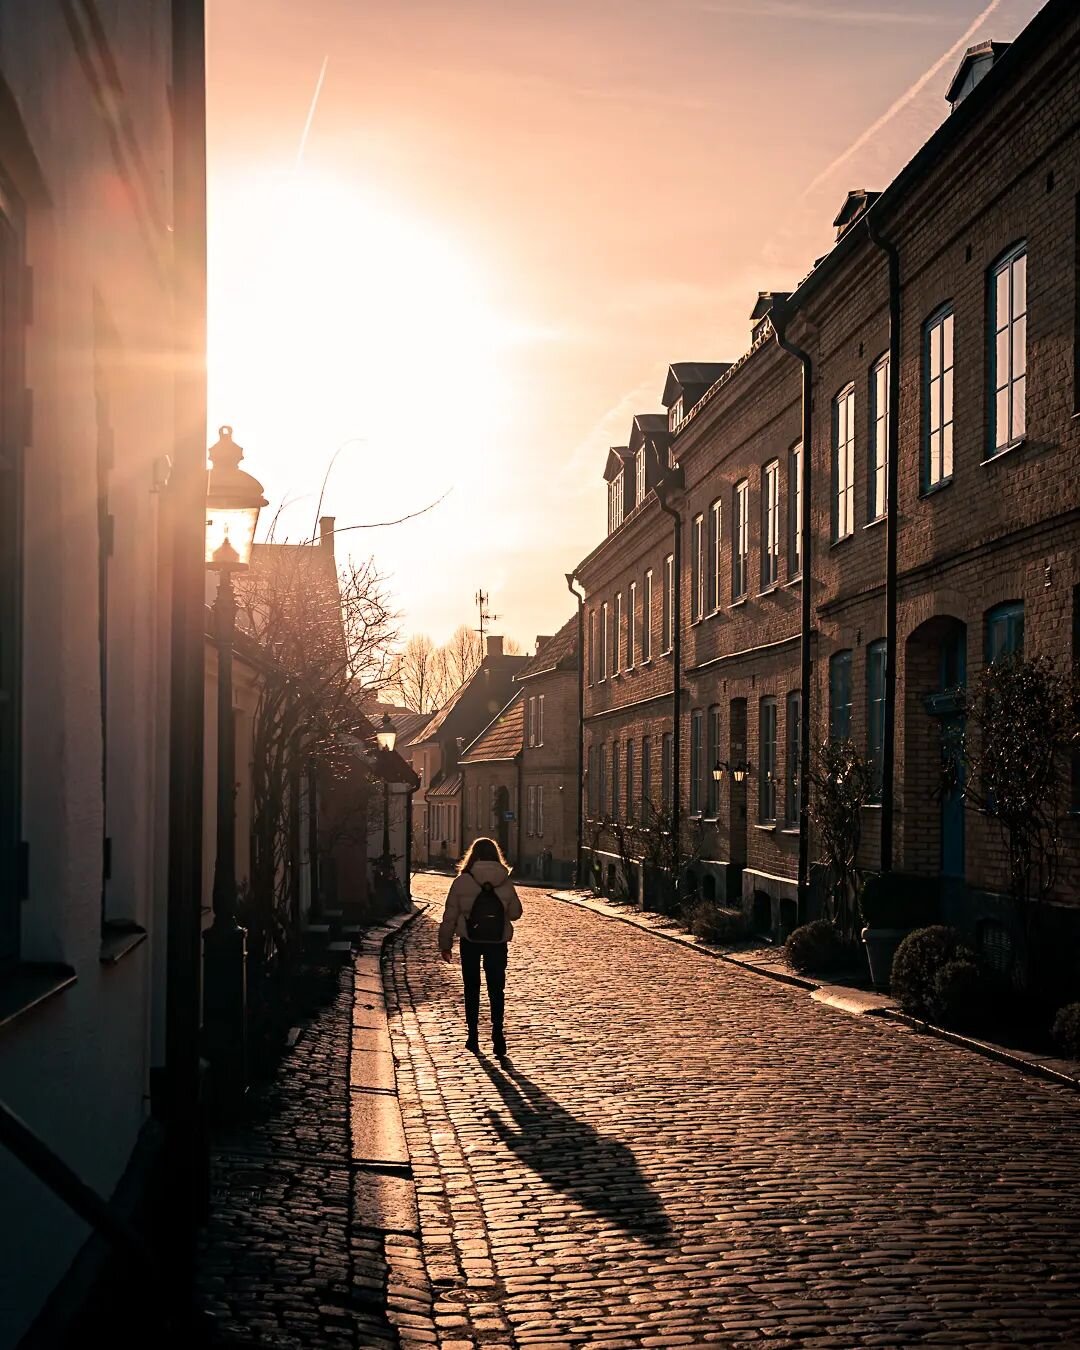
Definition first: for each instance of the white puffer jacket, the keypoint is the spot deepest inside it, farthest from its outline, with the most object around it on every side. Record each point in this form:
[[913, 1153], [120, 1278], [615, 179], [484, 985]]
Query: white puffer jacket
[[464, 890]]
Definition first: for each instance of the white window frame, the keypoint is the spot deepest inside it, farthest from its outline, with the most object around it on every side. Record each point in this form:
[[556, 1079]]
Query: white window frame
[[639, 475], [539, 719], [697, 567], [843, 464], [646, 618], [878, 498], [631, 627], [603, 642], [667, 612], [713, 590], [938, 356], [795, 511], [540, 810], [770, 524], [616, 668], [616, 502], [1008, 350], [740, 543]]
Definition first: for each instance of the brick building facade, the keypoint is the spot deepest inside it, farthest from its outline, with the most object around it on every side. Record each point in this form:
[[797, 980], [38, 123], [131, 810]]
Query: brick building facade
[[930, 363]]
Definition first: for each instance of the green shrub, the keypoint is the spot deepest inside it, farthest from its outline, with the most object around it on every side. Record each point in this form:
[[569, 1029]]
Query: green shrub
[[712, 923], [959, 995], [1066, 1030], [816, 948], [899, 900], [917, 962]]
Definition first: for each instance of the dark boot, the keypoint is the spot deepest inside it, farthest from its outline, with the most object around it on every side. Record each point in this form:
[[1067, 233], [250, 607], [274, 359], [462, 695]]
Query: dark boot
[[472, 1041]]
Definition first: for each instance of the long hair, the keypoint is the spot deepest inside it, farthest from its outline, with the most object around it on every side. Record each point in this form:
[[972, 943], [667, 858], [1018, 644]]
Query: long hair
[[482, 850]]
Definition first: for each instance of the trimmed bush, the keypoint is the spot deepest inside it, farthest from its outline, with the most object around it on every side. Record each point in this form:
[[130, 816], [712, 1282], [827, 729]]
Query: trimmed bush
[[1066, 1030], [918, 960], [816, 948], [959, 995], [712, 923]]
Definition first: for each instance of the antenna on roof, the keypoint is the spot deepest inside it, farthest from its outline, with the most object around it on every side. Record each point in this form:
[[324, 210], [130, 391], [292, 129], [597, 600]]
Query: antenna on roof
[[481, 598]]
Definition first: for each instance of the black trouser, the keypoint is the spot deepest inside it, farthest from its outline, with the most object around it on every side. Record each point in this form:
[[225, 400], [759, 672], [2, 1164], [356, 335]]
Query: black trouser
[[493, 955]]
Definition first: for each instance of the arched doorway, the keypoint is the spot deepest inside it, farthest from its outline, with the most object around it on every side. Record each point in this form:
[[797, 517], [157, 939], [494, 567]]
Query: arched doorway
[[935, 663]]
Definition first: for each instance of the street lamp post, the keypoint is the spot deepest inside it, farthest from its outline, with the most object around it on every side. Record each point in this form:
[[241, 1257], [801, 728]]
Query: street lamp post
[[386, 736], [233, 501]]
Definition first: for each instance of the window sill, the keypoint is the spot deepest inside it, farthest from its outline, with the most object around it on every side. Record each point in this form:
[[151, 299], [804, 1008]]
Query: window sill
[[1005, 450], [646, 661], [30, 984], [736, 603], [939, 486], [117, 939], [838, 543], [767, 827], [793, 581], [768, 590], [694, 622], [666, 651], [790, 829], [871, 806], [873, 524]]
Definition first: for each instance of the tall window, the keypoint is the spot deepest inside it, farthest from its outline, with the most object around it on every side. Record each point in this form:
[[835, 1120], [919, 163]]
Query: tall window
[[593, 648], [594, 786], [539, 719], [795, 511], [646, 777], [938, 399], [616, 497], [711, 759], [840, 697], [639, 475], [791, 768], [530, 720], [631, 627], [767, 761], [602, 789], [712, 562], [630, 802], [11, 581], [540, 809], [740, 543], [667, 615], [875, 713], [879, 440], [667, 760], [1004, 631], [646, 618], [697, 568], [616, 636], [530, 810], [770, 524], [1008, 355], [843, 463], [616, 755], [603, 640], [697, 755]]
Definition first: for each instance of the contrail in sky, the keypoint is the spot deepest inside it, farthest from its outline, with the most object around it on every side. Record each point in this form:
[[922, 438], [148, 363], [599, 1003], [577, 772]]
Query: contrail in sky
[[904, 99], [315, 100]]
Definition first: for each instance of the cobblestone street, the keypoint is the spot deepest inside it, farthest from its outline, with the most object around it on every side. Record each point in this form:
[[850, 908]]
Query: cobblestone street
[[685, 1153]]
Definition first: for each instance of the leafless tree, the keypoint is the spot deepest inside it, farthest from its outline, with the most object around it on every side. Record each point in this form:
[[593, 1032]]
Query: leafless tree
[[464, 651], [419, 675]]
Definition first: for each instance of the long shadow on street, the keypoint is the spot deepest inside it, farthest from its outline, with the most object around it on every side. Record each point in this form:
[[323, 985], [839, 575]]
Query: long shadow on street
[[599, 1172]]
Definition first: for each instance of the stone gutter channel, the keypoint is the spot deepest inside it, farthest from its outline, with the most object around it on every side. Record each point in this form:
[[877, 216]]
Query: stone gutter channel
[[764, 960]]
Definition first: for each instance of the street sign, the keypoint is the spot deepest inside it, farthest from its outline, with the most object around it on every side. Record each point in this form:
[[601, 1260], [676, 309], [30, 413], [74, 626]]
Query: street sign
[[508, 815]]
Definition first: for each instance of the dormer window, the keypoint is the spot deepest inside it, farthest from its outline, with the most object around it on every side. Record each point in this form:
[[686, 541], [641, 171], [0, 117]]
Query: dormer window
[[615, 502], [675, 414], [639, 475]]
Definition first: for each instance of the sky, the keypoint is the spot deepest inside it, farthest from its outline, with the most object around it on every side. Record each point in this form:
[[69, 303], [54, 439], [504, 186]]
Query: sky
[[454, 246]]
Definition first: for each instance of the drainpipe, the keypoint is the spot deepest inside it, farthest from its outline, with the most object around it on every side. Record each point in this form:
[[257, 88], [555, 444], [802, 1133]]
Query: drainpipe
[[186, 1174], [779, 320], [571, 577], [673, 485], [888, 747]]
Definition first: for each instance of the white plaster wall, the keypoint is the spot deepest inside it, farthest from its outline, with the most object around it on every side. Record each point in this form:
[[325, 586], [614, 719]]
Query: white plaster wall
[[76, 1068]]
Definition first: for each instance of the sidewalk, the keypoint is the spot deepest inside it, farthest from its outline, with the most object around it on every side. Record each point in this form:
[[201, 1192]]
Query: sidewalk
[[852, 995], [313, 1240]]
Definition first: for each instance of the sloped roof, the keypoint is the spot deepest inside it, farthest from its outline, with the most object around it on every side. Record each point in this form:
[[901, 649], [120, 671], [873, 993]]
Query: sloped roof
[[688, 374], [405, 721], [431, 727], [618, 456], [501, 739], [558, 651], [447, 787]]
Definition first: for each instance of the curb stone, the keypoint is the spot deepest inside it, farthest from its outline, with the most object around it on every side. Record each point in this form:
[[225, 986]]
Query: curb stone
[[383, 1190], [839, 997]]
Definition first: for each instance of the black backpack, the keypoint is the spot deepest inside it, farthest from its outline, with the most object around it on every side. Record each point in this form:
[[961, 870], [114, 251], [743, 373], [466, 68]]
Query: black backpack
[[486, 921]]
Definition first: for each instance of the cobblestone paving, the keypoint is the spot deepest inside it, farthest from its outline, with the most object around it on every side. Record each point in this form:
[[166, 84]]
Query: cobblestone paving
[[683, 1153], [288, 1260]]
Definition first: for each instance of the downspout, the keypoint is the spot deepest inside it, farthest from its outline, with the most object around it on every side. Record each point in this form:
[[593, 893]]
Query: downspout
[[779, 320], [673, 483], [888, 744], [186, 1173], [517, 813], [571, 577]]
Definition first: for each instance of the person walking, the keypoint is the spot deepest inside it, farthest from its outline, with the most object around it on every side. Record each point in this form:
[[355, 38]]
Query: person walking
[[480, 908]]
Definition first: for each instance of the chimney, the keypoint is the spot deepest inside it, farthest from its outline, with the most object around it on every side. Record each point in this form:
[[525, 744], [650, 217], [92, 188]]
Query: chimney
[[326, 533], [494, 647]]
